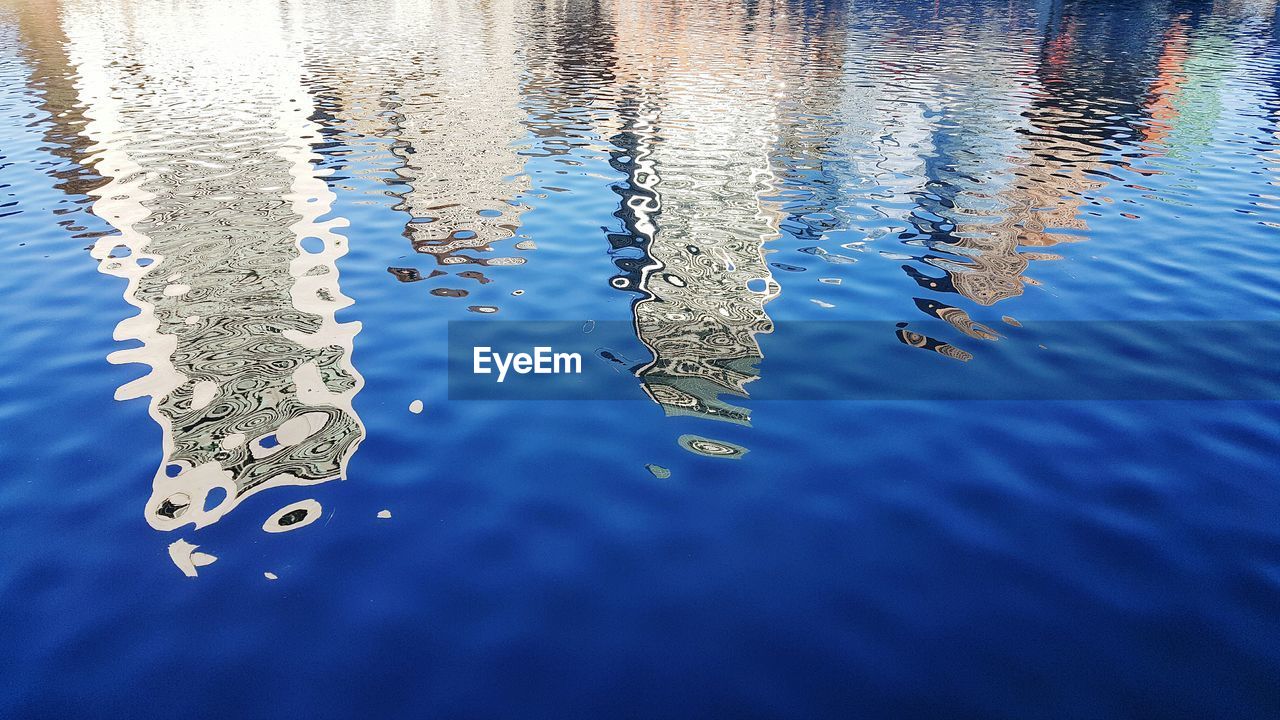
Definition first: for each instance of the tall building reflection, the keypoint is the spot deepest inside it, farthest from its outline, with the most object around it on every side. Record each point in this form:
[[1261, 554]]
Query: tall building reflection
[[967, 218], [697, 130], [40, 43], [821, 128], [442, 82], [206, 142]]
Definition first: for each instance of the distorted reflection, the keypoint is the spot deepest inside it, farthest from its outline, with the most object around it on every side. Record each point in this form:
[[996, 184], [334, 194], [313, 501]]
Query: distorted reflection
[[231, 267], [916, 162], [444, 86], [999, 195], [981, 196], [697, 147]]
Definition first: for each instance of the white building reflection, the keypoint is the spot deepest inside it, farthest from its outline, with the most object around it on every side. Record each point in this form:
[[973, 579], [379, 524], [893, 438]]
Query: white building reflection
[[441, 81], [700, 125], [206, 141]]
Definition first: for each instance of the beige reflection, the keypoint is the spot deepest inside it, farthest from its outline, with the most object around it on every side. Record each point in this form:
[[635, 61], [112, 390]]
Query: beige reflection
[[206, 142], [40, 44], [1041, 208], [443, 79], [704, 128], [1004, 202]]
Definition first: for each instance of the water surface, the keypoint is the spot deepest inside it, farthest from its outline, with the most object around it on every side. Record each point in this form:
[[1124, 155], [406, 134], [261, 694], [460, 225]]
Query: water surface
[[237, 233]]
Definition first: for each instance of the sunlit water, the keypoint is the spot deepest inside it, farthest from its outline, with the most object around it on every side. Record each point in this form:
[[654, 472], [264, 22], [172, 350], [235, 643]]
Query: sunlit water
[[236, 233]]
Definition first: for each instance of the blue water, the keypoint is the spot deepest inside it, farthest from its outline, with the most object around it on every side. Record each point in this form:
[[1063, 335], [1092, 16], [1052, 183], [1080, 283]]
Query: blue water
[[239, 178]]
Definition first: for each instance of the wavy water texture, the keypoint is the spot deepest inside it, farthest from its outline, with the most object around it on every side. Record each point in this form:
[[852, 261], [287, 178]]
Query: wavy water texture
[[700, 168], [749, 214], [445, 89], [218, 209]]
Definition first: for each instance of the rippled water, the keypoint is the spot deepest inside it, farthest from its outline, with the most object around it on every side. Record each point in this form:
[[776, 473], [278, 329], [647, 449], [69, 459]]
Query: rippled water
[[238, 232]]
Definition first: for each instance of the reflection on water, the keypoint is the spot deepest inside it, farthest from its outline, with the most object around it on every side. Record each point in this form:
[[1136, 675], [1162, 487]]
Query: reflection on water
[[218, 208], [698, 138], [819, 160], [953, 176], [966, 218], [444, 87]]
